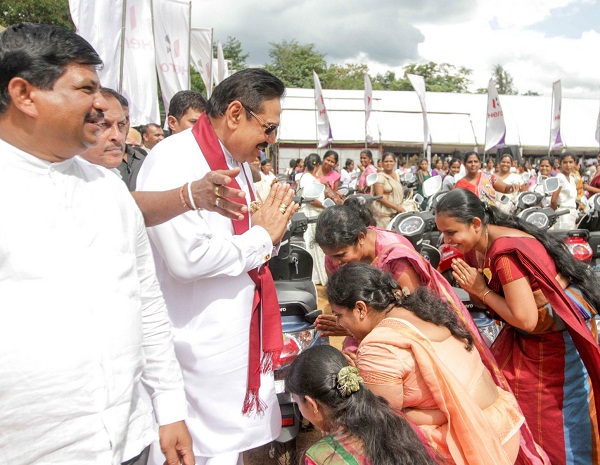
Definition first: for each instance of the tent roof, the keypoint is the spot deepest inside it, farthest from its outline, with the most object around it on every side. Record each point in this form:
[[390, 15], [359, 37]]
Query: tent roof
[[454, 119]]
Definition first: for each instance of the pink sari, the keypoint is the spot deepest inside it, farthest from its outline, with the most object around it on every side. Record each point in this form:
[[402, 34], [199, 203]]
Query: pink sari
[[392, 247]]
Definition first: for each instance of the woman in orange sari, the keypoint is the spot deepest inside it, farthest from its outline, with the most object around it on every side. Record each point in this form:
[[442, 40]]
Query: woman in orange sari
[[416, 354], [482, 184]]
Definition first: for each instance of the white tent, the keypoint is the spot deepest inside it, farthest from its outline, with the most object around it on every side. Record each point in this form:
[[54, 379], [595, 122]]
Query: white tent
[[456, 122]]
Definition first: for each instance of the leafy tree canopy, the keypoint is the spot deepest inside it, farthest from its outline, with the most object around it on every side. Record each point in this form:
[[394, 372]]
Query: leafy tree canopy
[[294, 63], [54, 12], [504, 81], [233, 52]]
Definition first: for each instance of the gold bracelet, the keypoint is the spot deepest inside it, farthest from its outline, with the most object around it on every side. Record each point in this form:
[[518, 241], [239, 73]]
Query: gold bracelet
[[484, 295], [182, 198]]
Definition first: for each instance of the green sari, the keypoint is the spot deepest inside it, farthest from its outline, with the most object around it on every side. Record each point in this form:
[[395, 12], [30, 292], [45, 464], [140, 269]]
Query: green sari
[[332, 450]]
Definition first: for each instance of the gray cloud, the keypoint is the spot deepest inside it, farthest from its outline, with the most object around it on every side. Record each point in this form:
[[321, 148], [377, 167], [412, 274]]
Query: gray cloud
[[380, 30]]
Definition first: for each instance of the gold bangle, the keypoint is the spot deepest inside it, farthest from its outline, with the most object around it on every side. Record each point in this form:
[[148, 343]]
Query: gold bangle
[[182, 198], [484, 296]]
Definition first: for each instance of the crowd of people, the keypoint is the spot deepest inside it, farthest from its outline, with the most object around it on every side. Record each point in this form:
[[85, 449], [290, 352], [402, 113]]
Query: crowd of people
[[140, 319]]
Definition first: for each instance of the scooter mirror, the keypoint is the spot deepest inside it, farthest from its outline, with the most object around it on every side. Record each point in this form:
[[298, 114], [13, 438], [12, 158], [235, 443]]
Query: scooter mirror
[[328, 203], [551, 185], [371, 179], [409, 178], [418, 199], [525, 177], [343, 191], [432, 185], [312, 191]]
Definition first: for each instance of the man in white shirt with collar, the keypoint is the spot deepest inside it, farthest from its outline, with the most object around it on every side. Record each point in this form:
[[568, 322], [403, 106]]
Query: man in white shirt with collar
[[225, 324], [82, 317]]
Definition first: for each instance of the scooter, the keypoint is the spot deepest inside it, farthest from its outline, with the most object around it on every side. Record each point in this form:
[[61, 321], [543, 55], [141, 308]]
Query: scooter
[[419, 226], [591, 222], [297, 296]]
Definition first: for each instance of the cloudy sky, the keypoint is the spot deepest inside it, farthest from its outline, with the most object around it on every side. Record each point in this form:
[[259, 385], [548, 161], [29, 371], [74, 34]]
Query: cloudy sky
[[537, 41]]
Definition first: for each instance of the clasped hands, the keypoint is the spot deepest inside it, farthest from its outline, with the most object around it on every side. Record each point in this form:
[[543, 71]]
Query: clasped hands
[[469, 278]]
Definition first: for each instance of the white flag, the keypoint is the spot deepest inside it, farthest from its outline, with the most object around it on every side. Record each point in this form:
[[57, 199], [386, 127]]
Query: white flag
[[100, 22], [368, 107], [172, 44], [201, 55], [323, 126], [555, 137], [418, 83], [495, 129], [139, 75], [221, 65]]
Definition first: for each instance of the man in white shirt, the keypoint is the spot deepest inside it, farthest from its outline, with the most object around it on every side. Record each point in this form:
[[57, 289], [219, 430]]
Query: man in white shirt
[[82, 317], [209, 266]]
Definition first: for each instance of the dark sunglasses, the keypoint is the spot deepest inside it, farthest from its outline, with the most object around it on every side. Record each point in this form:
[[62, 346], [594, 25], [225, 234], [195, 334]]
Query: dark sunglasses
[[269, 128]]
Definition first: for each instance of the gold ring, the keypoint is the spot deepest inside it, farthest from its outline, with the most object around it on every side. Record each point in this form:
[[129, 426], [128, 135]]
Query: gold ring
[[282, 207], [218, 191]]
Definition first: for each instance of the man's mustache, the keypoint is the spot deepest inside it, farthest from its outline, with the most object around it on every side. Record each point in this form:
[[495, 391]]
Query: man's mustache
[[95, 117]]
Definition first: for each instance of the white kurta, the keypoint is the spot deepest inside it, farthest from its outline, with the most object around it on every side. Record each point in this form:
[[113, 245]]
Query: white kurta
[[567, 199], [82, 319], [202, 267], [319, 274]]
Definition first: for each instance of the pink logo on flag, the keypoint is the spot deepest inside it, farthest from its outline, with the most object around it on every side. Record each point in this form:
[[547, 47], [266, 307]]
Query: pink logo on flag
[[132, 20]]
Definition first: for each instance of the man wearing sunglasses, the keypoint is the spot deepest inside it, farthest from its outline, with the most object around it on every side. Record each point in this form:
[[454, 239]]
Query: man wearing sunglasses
[[213, 270]]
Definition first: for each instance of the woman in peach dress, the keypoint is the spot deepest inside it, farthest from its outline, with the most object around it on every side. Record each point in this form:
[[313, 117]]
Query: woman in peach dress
[[416, 354]]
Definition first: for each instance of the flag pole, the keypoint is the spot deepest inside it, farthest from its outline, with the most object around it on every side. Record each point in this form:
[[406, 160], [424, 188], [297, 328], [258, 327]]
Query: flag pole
[[551, 118], [189, 84], [210, 72], [122, 58]]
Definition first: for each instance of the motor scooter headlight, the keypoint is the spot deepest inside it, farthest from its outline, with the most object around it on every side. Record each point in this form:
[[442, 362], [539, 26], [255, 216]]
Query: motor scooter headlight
[[529, 199]]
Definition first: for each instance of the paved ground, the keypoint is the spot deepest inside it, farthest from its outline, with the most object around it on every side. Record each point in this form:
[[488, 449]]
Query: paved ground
[[262, 455]]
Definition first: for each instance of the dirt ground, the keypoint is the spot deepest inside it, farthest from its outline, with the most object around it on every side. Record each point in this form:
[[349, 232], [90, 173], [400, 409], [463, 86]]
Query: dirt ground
[[261, 455]]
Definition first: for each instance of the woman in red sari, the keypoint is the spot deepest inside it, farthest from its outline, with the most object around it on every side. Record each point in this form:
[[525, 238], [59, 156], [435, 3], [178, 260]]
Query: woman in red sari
[[483, 185], [547, 299]]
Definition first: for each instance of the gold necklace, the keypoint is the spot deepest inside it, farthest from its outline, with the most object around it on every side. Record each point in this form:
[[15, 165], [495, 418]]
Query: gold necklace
[[486, 270]]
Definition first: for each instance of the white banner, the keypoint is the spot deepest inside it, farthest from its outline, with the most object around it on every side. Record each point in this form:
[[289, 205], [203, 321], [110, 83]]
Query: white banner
[[368, 108], [555, 137], [172, 45], [201, 55], [100, 22], [221, 65], [323, 126], [139, 75], [418, 83], [495, 129]]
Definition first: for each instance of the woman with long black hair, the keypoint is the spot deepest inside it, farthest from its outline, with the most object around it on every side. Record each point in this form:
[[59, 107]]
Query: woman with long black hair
[[359, 427], [547, 299], [417, 355]]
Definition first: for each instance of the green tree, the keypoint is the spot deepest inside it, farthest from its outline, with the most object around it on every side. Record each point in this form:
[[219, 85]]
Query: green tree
[[233, 52], [347, 77], [442, 77], [531, 92], [504, 81], [294, 63], [54, 12], [389, 81]]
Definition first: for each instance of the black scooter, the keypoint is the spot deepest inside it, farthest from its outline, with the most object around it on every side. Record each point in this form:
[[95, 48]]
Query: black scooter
[[297, 295]]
